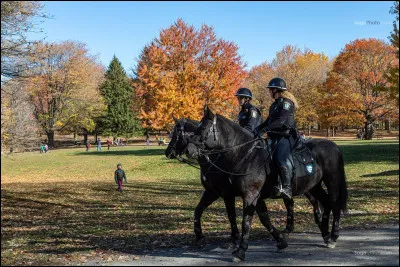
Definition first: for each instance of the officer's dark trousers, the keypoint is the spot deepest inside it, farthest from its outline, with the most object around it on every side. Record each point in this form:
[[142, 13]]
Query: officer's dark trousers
[[282, 155], [283, 161]]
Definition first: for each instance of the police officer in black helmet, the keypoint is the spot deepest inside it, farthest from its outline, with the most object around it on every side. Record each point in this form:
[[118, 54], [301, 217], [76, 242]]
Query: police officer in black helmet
[[282, 132], [249, 116]]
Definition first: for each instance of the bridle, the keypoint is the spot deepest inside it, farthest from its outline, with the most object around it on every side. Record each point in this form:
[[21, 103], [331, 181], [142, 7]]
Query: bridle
[[204, 152], [213, 130]]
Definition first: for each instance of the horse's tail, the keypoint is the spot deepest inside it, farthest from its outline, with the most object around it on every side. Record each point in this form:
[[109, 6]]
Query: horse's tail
[[343, 193]]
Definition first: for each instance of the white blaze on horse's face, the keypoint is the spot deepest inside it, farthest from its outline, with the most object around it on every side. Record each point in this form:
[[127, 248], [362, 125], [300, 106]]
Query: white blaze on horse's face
[[209, 134]]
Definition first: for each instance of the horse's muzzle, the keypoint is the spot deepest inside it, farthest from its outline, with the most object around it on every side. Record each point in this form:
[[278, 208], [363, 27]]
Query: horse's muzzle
[[191, 151]]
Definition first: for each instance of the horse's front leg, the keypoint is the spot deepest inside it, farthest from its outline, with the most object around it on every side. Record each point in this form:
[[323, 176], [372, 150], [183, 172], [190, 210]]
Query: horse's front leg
[[248, 212], [207, 198], [230, 208]]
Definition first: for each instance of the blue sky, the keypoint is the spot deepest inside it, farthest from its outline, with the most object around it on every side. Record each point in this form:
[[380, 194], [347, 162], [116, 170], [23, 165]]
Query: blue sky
[[260, 29]]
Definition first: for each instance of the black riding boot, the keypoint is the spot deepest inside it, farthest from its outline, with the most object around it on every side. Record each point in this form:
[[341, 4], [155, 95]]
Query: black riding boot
[[286, 178]]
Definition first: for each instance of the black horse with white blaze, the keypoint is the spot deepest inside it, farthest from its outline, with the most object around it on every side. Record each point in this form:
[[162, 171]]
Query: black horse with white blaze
[[217, 134]]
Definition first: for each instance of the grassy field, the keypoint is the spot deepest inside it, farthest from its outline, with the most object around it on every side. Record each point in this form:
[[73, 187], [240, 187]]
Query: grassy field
[[63, 205]]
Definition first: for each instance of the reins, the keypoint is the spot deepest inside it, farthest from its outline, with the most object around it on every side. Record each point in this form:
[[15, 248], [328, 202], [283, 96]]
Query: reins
[[206, 153], [242, 160], [215, 151]]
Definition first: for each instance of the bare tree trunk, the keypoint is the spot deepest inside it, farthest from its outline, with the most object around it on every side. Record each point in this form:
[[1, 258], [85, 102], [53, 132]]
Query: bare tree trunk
[[309, 130], [387, 125], [369, 130], [50, 138]]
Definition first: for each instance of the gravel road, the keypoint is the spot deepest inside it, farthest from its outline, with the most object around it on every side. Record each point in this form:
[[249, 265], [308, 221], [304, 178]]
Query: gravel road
[[378, 246]]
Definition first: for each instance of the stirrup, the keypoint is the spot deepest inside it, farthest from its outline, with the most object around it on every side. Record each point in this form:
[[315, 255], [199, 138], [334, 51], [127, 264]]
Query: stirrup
[[286, 194], [278, 190]]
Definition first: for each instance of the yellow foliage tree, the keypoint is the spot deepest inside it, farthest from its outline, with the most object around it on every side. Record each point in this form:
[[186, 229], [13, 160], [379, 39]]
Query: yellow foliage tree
[[63, 87]]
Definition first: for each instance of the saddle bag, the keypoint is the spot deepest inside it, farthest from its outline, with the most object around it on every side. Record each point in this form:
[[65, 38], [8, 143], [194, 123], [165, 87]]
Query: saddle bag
[[304, 162]]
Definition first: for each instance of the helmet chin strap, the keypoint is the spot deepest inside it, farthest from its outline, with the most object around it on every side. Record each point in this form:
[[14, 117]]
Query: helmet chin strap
[[247, 100], [275, 91]]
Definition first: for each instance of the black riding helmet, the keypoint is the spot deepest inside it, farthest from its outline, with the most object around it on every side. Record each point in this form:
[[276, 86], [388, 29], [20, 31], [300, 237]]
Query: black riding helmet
[[244, 92], [277, 83]]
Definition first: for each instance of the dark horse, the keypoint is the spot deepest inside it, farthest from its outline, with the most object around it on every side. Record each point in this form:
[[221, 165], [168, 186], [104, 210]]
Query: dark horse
[[217, 184], [217, 134]]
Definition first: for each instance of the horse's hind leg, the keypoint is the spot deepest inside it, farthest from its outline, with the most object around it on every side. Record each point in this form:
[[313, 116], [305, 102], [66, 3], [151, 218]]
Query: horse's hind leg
[[319, 193], [262, 212], [289, 203], [316, 210], [335, 225], [230, 208], [206, 200]]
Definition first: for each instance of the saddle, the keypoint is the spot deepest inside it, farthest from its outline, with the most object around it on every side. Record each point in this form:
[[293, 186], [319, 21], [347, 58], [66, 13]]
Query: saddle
[[303, 164], [303, 160]]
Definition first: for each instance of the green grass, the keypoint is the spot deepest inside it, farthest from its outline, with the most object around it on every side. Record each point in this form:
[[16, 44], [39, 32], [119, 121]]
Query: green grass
[[64, 203]]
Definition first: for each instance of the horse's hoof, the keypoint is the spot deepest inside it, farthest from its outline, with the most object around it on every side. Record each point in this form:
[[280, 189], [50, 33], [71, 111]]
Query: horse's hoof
[[238, 255], [234, 259], [331, 244], [282, 245], [326, 239]]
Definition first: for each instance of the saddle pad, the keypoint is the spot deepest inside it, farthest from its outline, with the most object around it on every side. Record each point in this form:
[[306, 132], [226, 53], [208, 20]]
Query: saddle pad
[[304, 162]]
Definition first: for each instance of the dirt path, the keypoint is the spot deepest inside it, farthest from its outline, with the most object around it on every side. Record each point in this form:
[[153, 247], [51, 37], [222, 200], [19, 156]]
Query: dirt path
[[378, 246]]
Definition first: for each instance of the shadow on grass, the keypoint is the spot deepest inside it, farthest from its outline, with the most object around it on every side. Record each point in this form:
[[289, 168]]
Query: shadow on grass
[[145, 216], [385, 173], [136, 152]]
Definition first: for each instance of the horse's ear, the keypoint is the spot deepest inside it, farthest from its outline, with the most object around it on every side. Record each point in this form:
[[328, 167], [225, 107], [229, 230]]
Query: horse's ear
[[208, 112], [175, 119], [205, 109]]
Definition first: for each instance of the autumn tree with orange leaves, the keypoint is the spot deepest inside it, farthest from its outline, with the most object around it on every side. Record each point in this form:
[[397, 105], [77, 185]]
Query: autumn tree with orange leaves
[[353, 85], [257, 80], [304, 72], [183, 69], [63, 87]]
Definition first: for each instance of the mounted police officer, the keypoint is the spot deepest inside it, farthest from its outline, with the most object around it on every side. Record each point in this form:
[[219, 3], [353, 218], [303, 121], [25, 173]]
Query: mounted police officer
[[249, 116], [282, 132]]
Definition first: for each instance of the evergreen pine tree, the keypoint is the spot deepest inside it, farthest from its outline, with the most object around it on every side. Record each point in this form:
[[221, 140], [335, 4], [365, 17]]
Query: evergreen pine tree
[[119, 119]]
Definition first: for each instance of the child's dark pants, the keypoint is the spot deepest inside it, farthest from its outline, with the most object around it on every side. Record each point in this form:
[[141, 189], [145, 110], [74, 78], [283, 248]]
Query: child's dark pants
[[119, 185]]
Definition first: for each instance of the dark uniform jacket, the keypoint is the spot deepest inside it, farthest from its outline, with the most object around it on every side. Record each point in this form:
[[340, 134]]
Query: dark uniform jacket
[[119, 175], [280, 119], [249, 117]]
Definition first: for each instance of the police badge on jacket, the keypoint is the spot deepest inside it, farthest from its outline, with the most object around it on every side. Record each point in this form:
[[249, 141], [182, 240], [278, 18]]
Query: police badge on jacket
[[249, 117]]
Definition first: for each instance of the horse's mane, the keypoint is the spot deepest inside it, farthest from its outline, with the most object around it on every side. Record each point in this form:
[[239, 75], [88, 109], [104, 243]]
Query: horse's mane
[[196, 123], [236, 127], [191, 123]]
